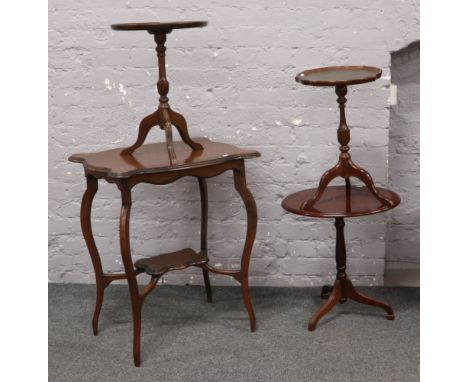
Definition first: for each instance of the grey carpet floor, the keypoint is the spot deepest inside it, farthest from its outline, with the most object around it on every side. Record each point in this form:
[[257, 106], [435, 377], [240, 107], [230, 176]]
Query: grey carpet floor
[[186, 339]]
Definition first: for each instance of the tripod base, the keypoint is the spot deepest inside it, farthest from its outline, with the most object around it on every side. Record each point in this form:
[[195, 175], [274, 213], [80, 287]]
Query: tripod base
[[341, 291]]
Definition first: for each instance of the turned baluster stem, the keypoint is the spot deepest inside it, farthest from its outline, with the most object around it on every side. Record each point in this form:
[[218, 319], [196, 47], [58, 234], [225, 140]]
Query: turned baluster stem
[[163, 83], [340, 249], [163, 88], [343, 129]]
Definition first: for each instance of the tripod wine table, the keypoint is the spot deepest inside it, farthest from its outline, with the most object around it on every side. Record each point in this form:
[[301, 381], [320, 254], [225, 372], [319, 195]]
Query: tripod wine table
[[340, 202], [163, 163]]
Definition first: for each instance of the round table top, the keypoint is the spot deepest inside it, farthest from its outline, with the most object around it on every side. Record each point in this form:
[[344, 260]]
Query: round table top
[[156, 27], [334, 202], [339, 75]]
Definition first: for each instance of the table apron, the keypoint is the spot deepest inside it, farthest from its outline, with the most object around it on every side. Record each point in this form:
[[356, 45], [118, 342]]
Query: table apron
[[170, 176]]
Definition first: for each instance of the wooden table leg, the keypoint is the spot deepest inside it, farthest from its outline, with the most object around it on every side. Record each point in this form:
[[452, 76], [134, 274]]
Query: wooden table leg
[[343, 287], [251, 208], [85, 218], [353, 294], [128, 265], [332, 300], [204, 233]]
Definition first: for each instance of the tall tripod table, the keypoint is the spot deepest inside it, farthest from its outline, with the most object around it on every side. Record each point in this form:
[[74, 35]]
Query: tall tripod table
[[346, 201]]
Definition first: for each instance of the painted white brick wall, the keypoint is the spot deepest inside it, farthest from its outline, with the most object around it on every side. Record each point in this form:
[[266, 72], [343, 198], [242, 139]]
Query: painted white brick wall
[[402, 250], [234, 82]]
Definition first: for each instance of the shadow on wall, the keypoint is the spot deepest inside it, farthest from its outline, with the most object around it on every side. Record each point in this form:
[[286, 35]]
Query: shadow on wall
[[402, 250]]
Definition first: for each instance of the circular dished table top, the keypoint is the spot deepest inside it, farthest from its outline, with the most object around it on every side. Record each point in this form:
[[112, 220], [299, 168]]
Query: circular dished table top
[[157, 27], [339, 75], [335, 202]]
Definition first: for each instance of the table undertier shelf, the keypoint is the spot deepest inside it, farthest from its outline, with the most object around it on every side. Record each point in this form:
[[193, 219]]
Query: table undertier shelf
[[160, 264], [334, 202]]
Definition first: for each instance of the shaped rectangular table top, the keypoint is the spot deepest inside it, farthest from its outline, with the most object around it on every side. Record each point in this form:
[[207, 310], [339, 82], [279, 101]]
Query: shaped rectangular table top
[[153, 158]]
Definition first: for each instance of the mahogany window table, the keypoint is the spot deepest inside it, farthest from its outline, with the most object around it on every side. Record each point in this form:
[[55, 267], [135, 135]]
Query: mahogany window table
[[340, 202], [159, 164]]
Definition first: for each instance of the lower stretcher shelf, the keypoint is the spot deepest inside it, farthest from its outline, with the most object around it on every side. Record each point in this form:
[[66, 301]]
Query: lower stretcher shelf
[[157, 265]]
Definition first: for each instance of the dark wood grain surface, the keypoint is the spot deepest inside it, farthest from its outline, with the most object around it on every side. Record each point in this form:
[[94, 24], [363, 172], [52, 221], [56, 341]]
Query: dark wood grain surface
[[164, 163], [335, 203], [165, 262], [345, 201], [153, 158]]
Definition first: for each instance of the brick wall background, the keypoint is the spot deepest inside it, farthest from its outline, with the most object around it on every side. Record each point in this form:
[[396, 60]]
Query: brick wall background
[[403, 227], [234, 82]]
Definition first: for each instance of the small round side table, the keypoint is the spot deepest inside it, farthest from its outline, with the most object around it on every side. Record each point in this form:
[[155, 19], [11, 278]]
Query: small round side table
[[345, 201]]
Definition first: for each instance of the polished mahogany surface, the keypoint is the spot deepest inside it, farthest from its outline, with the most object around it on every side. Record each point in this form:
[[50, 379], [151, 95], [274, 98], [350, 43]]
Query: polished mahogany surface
[[339, 75], [158, 265], [156, 27], [152, 158], [340, 202], [335, 203], [158, 164]]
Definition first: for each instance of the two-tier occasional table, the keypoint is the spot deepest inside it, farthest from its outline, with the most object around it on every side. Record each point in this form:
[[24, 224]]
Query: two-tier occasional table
[[345, 201], [163, 163]]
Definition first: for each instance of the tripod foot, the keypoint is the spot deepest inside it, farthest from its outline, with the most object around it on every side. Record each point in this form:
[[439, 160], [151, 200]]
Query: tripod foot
[[340, 293], [353, 294], [331, 302]]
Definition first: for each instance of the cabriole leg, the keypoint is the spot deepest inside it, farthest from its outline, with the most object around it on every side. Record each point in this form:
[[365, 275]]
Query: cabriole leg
[[129, 270], [85, 219], [251, 208], [204, 233]]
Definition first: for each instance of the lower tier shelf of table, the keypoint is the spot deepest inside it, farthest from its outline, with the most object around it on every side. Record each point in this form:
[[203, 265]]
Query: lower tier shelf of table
[[165, 262], [336, 201]]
